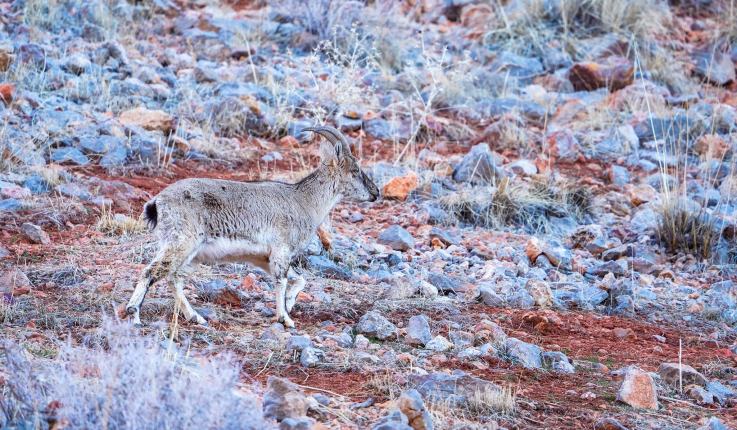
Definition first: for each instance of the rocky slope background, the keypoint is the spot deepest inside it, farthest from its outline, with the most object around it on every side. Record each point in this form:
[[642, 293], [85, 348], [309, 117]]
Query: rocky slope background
[[555, 246]]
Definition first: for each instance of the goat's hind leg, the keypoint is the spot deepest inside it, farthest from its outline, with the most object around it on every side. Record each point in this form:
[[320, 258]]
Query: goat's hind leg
[[176, 282], [169, 258], [297, 283]]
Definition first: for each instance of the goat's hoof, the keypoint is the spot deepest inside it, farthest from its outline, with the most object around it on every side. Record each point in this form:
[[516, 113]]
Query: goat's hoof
[[137, 325], [130, 310]]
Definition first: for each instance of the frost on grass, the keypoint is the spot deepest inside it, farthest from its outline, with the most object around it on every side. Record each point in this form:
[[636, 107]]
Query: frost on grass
[[119, 379]]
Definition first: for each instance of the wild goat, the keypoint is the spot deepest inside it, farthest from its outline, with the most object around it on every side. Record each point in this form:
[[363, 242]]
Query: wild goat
[[264, 223]]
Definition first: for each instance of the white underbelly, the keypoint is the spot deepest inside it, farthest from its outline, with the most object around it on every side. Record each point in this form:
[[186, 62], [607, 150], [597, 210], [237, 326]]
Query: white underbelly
[[224, 250]]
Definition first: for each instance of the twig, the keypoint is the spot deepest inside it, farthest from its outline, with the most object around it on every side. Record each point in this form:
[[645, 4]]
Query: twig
[[265, 365], [320, 389], [534, 421], [652, 414], [690, 404]]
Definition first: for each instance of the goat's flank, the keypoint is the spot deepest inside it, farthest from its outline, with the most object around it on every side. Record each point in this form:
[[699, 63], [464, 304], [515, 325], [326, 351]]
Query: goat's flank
[[264, 223]]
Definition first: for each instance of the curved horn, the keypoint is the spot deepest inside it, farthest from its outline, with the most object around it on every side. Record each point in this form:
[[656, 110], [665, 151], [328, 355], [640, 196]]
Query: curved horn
[[332, 135]]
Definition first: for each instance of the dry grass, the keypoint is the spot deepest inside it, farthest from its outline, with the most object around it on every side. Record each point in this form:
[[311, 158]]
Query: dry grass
[[493, 401], [118, 379], [118, 224], [684, 229], [517, 204]]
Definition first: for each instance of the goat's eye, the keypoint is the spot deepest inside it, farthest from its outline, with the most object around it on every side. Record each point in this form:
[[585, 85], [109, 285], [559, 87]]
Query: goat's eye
[[356, 170]]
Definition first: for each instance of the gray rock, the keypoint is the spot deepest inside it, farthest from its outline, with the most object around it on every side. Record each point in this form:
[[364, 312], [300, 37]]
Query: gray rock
[[490, 298], [70, 155], [443, 236], [671, 374], [116, 157], [34, 234], [603, 269], [327, 268], [715, 67], [77, 63], [220, 292], [478, 166], [455, 389], [461, 339], [720, 392], [402, 287], [526, 353], [372, 324], [394, 421], [439, 344], [413, 407], [311, 356], [383, 129], [283, 400], [558, 361], [321, 399], [418, 331], [609, 424], [205, 75], [304, 423], [72, 190], [298, 343], [11, 205], [100, 144], [36, 184], [522, 300], [497, 107], [619, 175], [273, 333], [396, 238], [714, 424]]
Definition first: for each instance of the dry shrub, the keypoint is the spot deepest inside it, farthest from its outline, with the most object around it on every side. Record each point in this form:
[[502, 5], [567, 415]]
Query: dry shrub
[[118, 224], [524, 205], [117, 380], [684, 229], [493, 400]]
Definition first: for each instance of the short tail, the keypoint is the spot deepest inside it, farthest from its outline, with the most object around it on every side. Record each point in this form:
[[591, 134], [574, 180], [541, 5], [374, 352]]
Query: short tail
[[151, 214]]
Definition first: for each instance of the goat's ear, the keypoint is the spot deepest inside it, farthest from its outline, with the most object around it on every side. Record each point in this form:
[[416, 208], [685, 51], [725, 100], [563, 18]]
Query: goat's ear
[[326, 152], [339, 151]]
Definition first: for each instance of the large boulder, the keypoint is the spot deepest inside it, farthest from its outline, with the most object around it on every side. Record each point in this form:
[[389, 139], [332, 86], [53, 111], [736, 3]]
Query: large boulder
[[671, 374], [412, 405], [638, 389]]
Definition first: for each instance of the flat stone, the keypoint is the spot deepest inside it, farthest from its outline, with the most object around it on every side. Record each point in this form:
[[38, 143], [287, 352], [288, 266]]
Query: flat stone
[[454, 389], [34, 234], [478, 166], [70, 155], [298, 343], [721, 393], [396, 238]]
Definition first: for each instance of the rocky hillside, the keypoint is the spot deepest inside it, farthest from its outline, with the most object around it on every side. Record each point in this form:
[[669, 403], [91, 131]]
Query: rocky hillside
[[554, 247]]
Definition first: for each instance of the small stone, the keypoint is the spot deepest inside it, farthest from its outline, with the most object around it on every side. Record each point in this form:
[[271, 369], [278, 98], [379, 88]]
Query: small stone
[[613, 73], [609, 424], [443, 237], [711, 146], [715, 67], [373, 324], [6, 55], [619, 175], [14, 279], [34, 234], [304, 423], [540, 292], [478, 166], [700, 395], [721, 393], [147, 119], [526, 353], [400, 187], [396, 238], [428, 290], [412, 405], [69, 155], [77, 63], [638, 389], [439, 343], [298, 343], [283, 400], [310, 357], [418, 331], [642, 194]]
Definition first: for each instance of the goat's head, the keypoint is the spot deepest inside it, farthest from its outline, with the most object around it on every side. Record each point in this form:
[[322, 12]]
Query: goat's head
[[352, 182]]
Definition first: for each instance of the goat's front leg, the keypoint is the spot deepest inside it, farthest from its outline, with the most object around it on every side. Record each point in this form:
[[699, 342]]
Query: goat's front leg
[[297, 284], [279, 267]]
